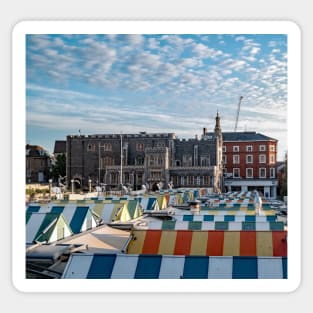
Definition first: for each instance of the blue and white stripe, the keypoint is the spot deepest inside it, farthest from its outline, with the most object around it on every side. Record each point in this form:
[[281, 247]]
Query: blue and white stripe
[[126, 266]]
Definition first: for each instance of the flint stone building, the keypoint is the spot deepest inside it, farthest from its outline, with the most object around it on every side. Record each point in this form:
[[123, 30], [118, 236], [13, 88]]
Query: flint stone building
[[147, 159]]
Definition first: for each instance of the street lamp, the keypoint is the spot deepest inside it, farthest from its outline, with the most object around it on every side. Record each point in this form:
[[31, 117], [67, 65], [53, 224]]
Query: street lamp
[[50, 187], [72, 181], [89, 181]]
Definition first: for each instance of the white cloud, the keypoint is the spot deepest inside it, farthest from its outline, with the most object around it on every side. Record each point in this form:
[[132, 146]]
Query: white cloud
[[135, 39]]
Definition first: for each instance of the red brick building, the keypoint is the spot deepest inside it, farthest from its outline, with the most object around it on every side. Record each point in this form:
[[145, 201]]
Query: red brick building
[[249, 162]]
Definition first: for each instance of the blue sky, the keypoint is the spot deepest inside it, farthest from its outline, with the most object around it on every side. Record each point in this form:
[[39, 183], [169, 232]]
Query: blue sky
[[156, 83]]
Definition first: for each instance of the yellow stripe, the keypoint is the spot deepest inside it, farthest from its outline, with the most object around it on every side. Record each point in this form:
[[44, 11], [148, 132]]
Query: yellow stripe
[[264, 243], [231, 243], [199, 243], [167, 242], [136, 244]]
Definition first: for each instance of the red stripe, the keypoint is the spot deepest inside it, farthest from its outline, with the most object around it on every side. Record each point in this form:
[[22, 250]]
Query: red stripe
[[215, 243], [248, 243], [183, 242], [279, 243], [152, 242]]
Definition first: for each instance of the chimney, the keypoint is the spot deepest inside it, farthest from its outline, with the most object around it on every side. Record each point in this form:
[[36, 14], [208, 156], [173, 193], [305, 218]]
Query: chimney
[[204, 131], [196, 137]]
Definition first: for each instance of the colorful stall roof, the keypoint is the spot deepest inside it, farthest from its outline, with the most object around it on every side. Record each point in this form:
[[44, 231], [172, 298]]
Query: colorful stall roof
[[225, 218], [79, 218], [121, 266], [117, 210], [46, 227], [210, 225], [209, 243]]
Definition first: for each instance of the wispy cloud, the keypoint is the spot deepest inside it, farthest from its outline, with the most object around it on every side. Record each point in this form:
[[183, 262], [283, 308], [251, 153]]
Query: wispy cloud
[[155, 82]]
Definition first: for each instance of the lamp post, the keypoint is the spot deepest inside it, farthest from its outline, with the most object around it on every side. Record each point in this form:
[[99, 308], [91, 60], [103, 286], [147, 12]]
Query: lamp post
[[72, 181], [121, 173], [89, 181], [50, 187]]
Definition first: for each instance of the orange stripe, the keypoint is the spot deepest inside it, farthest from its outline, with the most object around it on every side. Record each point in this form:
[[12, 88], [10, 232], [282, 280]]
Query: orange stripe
[[248, 243], [215, 243], [279, 243], [152, 241], [183, 242]]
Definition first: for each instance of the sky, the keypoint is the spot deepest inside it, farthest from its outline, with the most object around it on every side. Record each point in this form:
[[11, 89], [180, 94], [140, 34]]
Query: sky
[[103, 84]]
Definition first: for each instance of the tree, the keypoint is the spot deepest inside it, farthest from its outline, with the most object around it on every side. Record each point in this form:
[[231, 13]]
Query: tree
[[59, 168]]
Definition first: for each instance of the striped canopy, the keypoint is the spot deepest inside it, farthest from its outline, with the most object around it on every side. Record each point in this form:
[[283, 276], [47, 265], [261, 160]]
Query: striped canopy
[[211, 225], [121, 266], [46, 227], [209, 243]]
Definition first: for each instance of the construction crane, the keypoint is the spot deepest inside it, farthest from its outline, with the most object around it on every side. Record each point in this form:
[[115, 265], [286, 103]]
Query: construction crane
[[238, 110]]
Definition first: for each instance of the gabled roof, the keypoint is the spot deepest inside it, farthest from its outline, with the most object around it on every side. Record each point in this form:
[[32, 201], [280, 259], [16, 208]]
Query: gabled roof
[[41, 226]]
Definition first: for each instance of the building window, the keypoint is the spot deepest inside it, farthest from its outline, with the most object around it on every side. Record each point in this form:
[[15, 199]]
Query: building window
[[91, 147], [224, 159], [249, 158], [272, 148], [114, 178], [272, 172], [236, 159], [262, 172], [151, 160], [236, 173], [235, 148], [262, 148], [107, 161], [177, 162], [190, 180], [139, 146], [156, 175], [139, 160], [187, 160], [272, 159], [249, 173], [262, 158], [205, 161], [107, 147], [160, 161], [224, 148], [249, 148], [195, 155]]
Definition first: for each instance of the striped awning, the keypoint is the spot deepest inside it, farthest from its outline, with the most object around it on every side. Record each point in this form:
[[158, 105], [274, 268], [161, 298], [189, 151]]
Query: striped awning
[[225, 218], [216, 225], [121, 266], [209, 243]]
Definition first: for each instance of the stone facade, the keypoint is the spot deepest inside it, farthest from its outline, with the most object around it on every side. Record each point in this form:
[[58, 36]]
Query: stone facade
[[147, 159], [38, 164]]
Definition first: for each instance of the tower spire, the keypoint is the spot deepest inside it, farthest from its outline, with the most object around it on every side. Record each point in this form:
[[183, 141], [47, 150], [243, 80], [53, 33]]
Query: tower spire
[[217, 128]]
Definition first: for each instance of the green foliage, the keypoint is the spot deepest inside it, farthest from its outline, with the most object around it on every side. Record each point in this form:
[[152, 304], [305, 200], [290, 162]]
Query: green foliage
[[59, 168]]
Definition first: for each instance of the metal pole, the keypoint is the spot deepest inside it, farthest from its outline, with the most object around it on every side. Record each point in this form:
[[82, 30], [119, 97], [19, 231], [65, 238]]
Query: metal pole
[[99, 166], [121, 178]]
